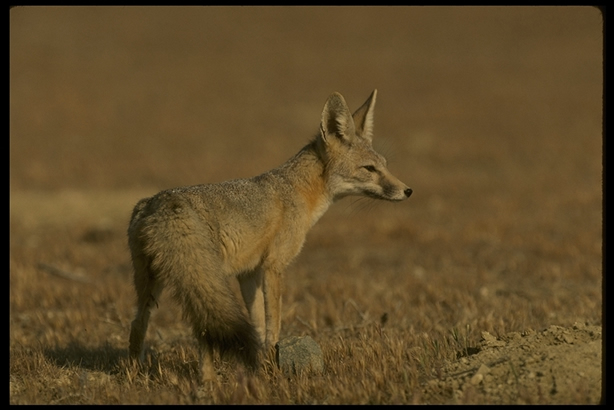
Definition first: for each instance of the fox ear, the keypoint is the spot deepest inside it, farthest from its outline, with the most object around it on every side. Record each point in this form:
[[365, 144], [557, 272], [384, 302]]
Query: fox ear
[[363, 117], [337, 122]]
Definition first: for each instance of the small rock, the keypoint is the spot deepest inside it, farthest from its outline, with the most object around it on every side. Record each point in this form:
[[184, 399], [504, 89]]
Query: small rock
[[490, 340], [488, 337], [477, 379], [483, 370], [514, 336], [299, 354], [578, 325]]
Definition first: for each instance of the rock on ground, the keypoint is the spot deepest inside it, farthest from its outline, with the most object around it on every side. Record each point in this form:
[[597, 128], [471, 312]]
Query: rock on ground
[[298, 354]]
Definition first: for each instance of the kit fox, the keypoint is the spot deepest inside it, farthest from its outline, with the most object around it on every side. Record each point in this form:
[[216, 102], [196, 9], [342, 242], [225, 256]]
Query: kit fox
[[194, 239]]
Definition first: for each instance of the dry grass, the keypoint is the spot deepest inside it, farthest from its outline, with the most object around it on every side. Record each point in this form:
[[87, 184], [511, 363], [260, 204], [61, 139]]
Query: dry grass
[[492, 116]]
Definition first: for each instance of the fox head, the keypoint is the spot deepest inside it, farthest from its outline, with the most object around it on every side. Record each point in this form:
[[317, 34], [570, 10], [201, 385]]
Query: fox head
[[351, 165]]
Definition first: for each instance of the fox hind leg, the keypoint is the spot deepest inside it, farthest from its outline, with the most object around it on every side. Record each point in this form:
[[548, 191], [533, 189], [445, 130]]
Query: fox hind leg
[[148, 290], [205, 362]]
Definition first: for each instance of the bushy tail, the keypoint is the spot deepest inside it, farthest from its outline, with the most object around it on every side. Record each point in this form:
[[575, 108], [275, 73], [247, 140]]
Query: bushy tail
[[216, 318], [184, 256]]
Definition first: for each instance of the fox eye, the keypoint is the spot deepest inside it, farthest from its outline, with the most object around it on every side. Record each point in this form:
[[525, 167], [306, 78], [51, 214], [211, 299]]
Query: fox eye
[[369, 168]]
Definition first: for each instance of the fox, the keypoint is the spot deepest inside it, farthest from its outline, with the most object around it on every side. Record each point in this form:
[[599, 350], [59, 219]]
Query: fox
[[195, 239]]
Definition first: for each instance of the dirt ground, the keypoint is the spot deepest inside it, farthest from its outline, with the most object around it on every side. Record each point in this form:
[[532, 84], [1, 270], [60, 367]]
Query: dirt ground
[[492, 115], [555, 365]]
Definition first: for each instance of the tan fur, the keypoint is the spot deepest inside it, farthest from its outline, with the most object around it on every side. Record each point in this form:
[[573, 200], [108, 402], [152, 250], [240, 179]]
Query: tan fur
[[195, 239]]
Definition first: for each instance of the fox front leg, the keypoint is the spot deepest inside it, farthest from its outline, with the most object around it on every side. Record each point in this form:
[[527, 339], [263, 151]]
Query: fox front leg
[[272, 307], [251, 289]]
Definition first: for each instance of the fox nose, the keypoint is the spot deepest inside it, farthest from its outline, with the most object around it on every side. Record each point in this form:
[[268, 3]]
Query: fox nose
[[408, 192]]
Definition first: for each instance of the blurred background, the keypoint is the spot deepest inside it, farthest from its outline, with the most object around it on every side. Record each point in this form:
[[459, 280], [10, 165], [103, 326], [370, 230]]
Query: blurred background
[[125, 97]]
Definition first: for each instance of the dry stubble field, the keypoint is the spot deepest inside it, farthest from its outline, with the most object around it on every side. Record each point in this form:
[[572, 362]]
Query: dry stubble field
[[484, 287]]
